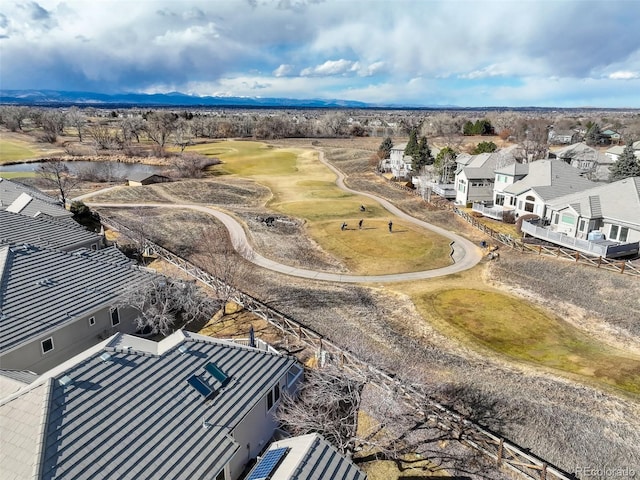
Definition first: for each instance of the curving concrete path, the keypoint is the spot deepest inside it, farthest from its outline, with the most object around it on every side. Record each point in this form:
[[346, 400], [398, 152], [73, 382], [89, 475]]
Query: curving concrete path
[[465, 253]]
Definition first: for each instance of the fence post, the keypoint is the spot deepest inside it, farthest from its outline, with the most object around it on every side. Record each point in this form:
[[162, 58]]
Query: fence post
[[622, 265], [500, 447], [577, 256], [599, 261], [543, 472], [539, 249]]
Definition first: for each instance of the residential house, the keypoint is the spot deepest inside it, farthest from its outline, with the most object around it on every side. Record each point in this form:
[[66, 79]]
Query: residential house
[[306, 457], [614, 152], [603, 220], [55, 304], [475, 176], [138, 179], [594, 164], [398, 163], [18, 198], [611, 136], [545, 180], [563, 137], [188, 406], [46, 232]]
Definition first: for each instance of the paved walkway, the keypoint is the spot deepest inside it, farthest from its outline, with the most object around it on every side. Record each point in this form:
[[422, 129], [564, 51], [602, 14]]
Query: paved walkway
[[465, 253]]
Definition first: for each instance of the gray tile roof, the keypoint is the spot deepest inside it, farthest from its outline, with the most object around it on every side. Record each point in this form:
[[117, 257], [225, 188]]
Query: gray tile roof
[[550, 179], [42, 289], [618, 201], [44, 231], [132, 414], [515, 169], [311, 457], [37, 202]]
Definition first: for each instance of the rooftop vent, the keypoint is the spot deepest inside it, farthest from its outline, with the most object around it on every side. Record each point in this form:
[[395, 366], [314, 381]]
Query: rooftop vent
[[183, 349], [66, 380], [105, 356]]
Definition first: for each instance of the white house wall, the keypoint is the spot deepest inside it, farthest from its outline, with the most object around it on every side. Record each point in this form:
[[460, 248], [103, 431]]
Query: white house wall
[[68, 341], [256, 429], [538, 204]]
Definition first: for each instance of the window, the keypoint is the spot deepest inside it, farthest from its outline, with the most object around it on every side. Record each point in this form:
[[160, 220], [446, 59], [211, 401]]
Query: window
[[92, 321], [624, 232], [568, 219], [555, 218], [273, 396], [613, 233], [115, 317], [47, 345], [581, 227], [618, 233]]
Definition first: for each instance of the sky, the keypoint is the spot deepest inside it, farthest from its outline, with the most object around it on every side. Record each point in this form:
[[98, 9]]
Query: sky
[[546, 53]]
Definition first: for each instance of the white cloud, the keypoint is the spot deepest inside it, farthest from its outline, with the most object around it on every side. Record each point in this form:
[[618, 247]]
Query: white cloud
[[624, 75], [283, 70], [490, 71], [331, 67]]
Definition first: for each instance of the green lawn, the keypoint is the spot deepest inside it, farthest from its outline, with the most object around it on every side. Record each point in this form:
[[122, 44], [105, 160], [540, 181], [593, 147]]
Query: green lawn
[[304, 188], [515, 328], [17, 174], [13, 151]]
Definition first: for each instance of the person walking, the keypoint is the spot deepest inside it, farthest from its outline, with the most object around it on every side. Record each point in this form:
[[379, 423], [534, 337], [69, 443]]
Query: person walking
[[390, 226], [344, 226], [360, 224]]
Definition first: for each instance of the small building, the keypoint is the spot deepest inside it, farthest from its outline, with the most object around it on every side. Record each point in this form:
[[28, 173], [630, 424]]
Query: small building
[[475, 177], [563, 137], [188, 407], [398, 163], [306, 457], [614, 152], [138, 179]]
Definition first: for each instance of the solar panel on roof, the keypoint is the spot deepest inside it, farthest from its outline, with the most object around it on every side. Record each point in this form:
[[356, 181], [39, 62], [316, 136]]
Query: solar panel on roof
[[268, 463], [201, 387], [216, 373]]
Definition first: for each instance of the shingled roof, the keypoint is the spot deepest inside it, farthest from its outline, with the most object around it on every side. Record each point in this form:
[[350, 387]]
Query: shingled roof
[[550, 179], [19, 198], [124, 409], [42, 289], [44, 231]]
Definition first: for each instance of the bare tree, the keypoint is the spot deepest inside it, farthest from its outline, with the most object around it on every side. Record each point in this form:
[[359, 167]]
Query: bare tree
[[13, 117], [159, 127], [328, 403], [131, 127], [164, 304], [76, 119], [183, 136], [53, 122], [55, 174], [102, 135]]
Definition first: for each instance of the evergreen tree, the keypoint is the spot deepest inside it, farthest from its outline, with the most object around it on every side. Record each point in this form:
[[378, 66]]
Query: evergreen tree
[[445, 164], [423, 157], [626, 166], [593, 135], [467, 128], [384, 150], [412, 147], [485, 147]]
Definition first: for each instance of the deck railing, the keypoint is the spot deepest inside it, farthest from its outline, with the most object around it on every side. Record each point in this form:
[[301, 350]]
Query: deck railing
[[495, 211], [585, 246]]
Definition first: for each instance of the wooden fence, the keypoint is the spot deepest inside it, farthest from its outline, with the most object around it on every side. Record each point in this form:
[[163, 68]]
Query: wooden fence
[[504, 453]]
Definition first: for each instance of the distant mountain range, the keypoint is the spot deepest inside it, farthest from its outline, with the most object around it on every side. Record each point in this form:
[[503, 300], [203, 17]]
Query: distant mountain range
[[174, 99]]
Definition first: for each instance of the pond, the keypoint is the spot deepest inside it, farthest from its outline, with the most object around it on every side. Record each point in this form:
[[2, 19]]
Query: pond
[[103, 171]]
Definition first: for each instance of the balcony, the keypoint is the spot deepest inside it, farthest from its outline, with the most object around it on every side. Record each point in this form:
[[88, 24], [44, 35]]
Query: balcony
[[600, 248], [492, 211]]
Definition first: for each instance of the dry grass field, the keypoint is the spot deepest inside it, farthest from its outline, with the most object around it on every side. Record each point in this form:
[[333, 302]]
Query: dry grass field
[[15, 147]]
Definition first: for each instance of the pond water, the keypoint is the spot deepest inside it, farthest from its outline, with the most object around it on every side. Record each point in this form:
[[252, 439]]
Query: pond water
[[105, 170]]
